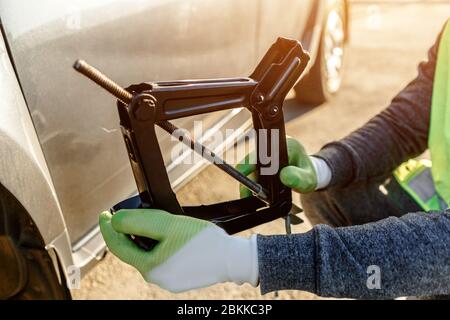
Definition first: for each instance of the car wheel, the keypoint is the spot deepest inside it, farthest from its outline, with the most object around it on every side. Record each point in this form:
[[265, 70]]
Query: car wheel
[[325, 77], [26, 269]]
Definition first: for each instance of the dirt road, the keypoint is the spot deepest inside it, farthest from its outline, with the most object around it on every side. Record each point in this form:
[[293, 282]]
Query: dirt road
[[387, 42]]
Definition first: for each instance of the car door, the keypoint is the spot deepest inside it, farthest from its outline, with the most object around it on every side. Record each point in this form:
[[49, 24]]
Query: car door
[[131, 41], [285, 18]]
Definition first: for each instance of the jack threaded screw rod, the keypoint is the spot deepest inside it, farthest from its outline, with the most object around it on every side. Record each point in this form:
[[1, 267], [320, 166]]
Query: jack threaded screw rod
[[103, 81], [126, 97]]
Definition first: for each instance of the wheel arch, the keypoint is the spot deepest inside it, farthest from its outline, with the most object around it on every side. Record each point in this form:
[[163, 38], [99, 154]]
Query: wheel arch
[[313, 31], [23, 169]]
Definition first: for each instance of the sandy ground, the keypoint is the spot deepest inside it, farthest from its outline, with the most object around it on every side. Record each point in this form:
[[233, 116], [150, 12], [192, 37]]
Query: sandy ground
[[387, 42]]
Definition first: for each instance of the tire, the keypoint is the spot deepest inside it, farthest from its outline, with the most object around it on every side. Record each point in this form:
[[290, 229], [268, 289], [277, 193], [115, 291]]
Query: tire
[[325, 77], [26, 269]]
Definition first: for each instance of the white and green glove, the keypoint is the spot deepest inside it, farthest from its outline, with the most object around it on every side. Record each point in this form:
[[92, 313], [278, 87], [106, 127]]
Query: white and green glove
[[191, 253], [304, 173]]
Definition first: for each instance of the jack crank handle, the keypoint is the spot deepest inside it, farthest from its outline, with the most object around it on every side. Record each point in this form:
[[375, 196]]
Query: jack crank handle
[[209, 155]]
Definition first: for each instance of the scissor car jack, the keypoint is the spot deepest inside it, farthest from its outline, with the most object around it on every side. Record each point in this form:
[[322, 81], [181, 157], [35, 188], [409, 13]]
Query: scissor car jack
[[142, 107]]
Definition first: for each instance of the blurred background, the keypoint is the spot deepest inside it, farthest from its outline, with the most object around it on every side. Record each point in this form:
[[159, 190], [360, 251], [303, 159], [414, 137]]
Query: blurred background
[[387, 39]]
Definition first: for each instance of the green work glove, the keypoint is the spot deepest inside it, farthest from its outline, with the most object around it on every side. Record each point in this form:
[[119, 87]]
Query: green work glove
[[302, 174], [191, 253]]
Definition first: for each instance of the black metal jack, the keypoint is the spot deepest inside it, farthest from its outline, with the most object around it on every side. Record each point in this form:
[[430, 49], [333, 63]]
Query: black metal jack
[[145, 105]]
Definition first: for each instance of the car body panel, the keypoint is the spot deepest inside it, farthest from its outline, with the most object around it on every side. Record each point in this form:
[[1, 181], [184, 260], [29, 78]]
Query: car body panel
[[285, 18], [131, 41], [76, 122], [23, 170]]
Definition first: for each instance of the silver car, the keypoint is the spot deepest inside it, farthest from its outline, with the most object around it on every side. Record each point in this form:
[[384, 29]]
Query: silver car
[[62, 157]]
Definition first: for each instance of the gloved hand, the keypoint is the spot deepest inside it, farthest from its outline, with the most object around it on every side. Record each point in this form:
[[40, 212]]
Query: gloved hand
[[304, 174], [191, 253]]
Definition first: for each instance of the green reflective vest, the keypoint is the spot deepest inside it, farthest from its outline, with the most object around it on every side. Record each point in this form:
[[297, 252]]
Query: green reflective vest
[[429, 182]]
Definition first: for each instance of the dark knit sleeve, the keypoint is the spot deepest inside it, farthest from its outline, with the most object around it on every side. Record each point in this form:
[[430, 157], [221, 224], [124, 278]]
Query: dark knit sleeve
[[407, 256], [395, 135]]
